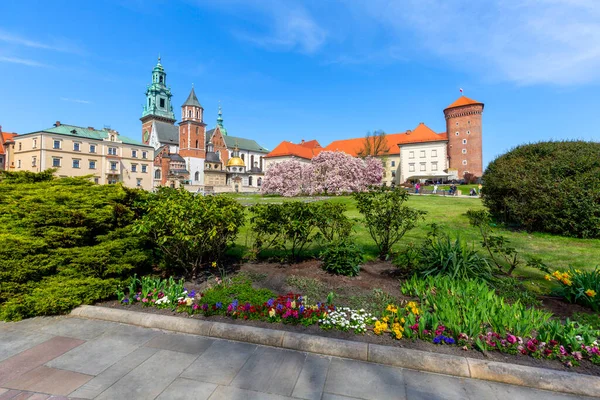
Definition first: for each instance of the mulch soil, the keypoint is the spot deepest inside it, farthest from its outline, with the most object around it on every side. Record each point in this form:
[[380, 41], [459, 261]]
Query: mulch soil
[[373, 275]]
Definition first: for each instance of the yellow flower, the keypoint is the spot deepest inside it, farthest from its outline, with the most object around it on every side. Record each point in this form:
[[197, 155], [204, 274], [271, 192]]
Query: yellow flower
[[415, 310], [402, 320], [578, 271], [391, 308], [293, 304], [214, 264], [385, 319], [548, 277], [557, 274], [567, 282], [272, 312], [590, 293], [411, 304], [380, 327], [398, 334]]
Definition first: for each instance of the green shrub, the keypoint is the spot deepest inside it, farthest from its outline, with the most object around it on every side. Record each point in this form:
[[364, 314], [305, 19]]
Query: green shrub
[[547, 187], [240, 289], [65, 242], [342, 257], [386, 218], [581, 287], [331, 221], [469, 306], [190, 230]]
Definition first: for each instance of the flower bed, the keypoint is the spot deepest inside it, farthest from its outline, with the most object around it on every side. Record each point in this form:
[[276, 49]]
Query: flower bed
[[463, 313]]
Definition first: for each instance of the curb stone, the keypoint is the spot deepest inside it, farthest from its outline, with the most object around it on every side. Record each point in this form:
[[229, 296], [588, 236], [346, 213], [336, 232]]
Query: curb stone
[[533, 377]]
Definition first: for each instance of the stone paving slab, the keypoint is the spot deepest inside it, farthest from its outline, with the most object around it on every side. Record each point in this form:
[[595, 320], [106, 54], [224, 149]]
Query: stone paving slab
[[49, 380], [312, 377], [186, 389], [14, 341], [35, 357], [190, 344]]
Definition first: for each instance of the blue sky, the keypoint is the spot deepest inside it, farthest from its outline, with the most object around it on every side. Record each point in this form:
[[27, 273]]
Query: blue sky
[[292, 70]]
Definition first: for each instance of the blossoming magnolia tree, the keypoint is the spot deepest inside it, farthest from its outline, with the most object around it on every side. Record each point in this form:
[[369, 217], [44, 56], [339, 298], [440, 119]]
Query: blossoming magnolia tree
[[331, 172]]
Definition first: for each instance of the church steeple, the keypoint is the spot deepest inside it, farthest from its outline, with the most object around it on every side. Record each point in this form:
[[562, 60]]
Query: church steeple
[[220, 122], [158, 97]]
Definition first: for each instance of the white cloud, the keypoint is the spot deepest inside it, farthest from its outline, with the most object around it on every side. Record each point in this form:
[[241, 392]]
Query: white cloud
[[75, 100], [60, 45], [22, 61], [524, 41]]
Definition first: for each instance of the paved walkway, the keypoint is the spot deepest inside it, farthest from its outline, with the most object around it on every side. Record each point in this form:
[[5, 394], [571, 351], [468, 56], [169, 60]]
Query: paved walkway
[[71, 358]]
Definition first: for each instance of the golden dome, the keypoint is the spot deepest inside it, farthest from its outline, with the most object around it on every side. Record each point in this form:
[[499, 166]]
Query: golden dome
[[235, 162]]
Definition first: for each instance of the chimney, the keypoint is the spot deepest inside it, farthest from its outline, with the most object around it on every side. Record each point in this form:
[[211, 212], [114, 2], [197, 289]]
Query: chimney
[[408, 132], [57, 123]]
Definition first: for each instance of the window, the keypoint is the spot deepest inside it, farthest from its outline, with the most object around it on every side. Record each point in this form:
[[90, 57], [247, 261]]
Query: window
[[162, 102], [34, 143], [20, 145], [138, 182], [196, 140], [411, 154], [468, 132], [33, 161], [92, 164], [469, 122], [197, 116], [112, 151], [259, 182], [433, 153], [464, 151], [55, 162], [144, 168], [422, 155], [383, 164], [231, 154], [456, 133], [197, 176], [112, 181], [422, 166], [133, 153], [76, 146], [456, 123], [96, 180], [196, 128], [56, 144], [144, 154], [133, 167], [411, 167], [393, 174], [393, 163], [112, 138], [76, 163], [249, 181], [92, 148], [243, 157], [434, 166], [157, 174], [464, 162], [113, 166], [464, 141], [18, 163], [160, 79], [189, 114]]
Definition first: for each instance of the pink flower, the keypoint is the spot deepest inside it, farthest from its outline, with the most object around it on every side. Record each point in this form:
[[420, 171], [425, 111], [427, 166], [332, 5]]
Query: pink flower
[[512, 339], [522, 349], [563, 351], [577, 355], [144, 300]]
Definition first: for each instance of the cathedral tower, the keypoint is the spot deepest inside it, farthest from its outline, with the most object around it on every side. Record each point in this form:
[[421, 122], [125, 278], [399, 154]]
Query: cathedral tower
[[192, 138], [158, 102], [463, 125]]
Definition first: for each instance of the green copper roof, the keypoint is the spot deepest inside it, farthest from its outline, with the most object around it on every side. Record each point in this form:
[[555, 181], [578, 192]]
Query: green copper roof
[[243, 144], [87, 133], [158, 95], [220, 122], [192, 100]]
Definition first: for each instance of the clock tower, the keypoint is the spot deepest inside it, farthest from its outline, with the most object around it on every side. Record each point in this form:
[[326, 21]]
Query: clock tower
[[158, 102]]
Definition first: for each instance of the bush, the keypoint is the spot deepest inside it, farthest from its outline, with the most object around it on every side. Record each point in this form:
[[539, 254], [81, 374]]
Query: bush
[[68, 242], [342, 257], [575, 286], [239, 289], [190, 230], [385, 217], [549, 187], [294, 225]]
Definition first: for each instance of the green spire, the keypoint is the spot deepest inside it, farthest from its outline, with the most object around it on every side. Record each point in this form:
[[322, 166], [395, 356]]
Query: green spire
[[220, 122], [158, 95]]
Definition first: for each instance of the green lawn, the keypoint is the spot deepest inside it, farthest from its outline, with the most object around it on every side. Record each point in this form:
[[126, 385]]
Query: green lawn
[[555, 251]]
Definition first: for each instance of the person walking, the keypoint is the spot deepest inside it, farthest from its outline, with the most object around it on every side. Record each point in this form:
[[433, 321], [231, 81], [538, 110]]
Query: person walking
[[417, 187], [435, 187]]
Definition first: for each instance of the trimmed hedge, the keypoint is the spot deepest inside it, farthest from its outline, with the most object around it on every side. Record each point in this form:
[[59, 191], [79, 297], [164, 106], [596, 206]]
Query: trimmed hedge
[[549, 187]]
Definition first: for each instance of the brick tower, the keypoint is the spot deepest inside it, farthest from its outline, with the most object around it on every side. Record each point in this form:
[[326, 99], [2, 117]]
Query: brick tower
[[192, 134], [463, 125], [158, 102]]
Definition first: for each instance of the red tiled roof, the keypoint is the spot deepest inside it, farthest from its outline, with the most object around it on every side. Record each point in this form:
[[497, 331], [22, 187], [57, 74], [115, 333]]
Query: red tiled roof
[[305, 150], [463, 101], [5, 137], [422, 133]]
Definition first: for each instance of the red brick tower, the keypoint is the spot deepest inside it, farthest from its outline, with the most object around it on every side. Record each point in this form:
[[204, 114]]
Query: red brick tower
[[192, 129], [463, 125]]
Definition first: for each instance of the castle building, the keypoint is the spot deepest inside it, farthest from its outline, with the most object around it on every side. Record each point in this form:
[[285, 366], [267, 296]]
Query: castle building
[[418, 154], [187, 154]]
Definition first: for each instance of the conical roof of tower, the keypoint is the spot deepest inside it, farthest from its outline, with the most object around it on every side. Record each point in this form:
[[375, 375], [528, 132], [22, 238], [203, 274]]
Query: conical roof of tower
[[463, 101], [192, 100]]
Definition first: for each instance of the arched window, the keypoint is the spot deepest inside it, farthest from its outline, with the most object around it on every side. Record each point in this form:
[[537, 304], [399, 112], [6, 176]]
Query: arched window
[[260, 163], [259, 181], [148, 102], [196, 144], [249, 181], [252, 161], [242, 157], [232, 154], [197, 115], [160, 79], [197, 176], [157, 174], [189, 114]]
